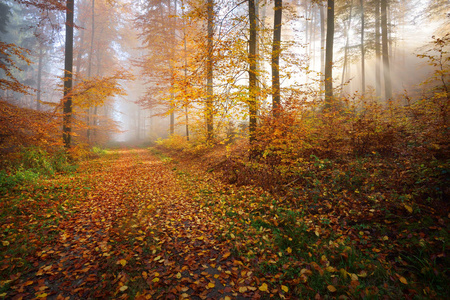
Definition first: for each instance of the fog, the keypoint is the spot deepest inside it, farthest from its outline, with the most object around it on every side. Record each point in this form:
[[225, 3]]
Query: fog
[[145, 60]]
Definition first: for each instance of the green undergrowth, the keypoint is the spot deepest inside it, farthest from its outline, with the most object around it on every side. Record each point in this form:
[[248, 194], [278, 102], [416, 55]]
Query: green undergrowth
[[365, 228]]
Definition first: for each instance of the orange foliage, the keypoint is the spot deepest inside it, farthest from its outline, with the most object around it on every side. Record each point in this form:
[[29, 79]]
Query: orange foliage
[[27, 127]]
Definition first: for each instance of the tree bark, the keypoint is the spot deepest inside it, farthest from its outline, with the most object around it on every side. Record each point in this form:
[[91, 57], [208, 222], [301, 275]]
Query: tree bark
[[209, 73], [385, 51], [252, 71], [347, 43], [68, 68], [322, 42], [276, 49], [91, 53], [377, 50], [329, 55], [172, 96], [363, 62], [39, 77], [186, 110]]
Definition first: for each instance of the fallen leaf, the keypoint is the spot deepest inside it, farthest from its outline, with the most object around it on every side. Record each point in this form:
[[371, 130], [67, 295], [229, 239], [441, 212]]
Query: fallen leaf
[[264, 287], [123, 288], [285, 288], [331, 288], [122, 262]]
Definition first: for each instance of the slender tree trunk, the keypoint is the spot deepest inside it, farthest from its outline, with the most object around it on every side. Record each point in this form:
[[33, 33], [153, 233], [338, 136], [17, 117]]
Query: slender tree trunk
[[186, 109], [377, 50], [385, 52], [307, 41], [252, 71], [39, 77], [79, 54], [347, 44], [363, 59], [209, 73], [322, 42], [172, 96], [329, 55], [68, 67], [91, 53], [276, 49]]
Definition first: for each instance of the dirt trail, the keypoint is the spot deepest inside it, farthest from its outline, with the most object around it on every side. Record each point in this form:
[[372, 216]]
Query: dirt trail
[[137, 233]]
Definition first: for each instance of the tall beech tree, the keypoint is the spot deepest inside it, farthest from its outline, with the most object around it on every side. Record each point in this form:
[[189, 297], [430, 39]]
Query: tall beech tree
[[329, 54], [68, 66], [385, 51], [363, 59], [209, 109], [377, 49], [252, 84], [276, 49]]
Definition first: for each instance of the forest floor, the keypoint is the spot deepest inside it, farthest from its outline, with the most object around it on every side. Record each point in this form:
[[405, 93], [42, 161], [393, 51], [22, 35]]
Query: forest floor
[[139, 224]]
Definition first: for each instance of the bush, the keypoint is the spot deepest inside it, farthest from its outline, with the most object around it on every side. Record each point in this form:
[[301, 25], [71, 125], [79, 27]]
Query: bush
[[32, 162]]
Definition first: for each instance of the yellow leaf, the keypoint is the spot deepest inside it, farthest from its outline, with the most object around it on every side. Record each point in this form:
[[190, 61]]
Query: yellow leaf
[[178, 276], [285, 288], [122, 262], [227, 298], [263, 287], [5, 243], [242, 289], [331, 269], [42, 295], [156, 279], [362, 274], [354, 277], [157, 258], [123, 288], [232, 235], [408, 208], [211, 285], [289, 250], [403, 280], [331, 288]]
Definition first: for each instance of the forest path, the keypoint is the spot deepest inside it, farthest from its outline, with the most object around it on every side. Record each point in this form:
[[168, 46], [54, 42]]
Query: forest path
[[137, 232]]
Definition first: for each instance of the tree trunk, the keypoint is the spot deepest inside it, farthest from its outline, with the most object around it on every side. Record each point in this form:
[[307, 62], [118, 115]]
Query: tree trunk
[[209, 73], [172, 96], [276, 49], [385, 52], [377, 50], [39, 77], [347, 43], [329, 55], [68, 67], [186, 110], [252, 71], [363, 62], [91, 53], [322, 42]]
